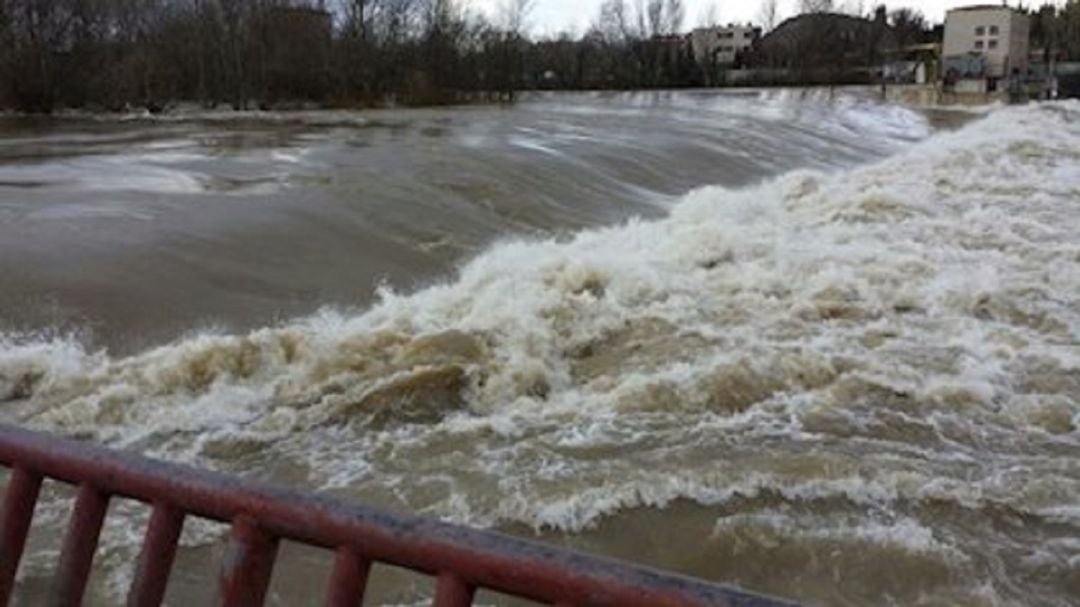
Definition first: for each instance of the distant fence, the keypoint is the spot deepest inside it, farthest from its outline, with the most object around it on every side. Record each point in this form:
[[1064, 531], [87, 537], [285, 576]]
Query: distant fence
[[461, 559]]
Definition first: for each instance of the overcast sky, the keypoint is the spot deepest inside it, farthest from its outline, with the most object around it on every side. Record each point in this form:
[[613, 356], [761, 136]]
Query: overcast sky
[[552, 16]]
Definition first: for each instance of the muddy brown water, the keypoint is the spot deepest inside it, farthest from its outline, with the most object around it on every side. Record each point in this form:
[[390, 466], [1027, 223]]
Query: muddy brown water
[[798, 341]]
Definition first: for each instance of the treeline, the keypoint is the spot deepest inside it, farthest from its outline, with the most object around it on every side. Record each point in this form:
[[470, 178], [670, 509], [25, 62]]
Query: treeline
[[119, 54], [112, 54], [1056, 29]]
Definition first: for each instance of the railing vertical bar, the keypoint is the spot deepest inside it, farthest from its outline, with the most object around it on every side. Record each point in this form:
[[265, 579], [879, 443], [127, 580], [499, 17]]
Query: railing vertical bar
[[348, 579], [156, 558], [80, 543], [19, 500], [452, 591], [248, 565]]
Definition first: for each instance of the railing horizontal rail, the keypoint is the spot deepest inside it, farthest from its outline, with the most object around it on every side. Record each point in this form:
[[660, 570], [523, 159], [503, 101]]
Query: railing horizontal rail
[[460, 558]]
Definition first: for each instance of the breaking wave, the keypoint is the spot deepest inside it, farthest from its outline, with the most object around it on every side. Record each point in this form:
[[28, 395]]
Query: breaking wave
[[884, 359]]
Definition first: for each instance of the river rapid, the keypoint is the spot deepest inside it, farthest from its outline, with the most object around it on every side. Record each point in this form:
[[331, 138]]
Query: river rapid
[[799, 341]]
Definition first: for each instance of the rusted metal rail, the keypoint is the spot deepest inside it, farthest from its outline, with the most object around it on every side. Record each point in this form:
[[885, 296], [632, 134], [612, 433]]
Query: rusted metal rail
[[460, 559]]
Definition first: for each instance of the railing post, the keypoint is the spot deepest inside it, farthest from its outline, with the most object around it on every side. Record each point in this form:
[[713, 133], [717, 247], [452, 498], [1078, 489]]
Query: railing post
[[156, 558], [22, 493], [452, 591], [247, 566], [345, 588], [80, 543]]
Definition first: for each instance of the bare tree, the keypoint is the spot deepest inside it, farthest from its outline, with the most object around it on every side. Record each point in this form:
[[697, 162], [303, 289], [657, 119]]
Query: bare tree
[[654, 17], [709, 16], [514, 15], [908, 25], [640, 18], [356, 14], [1068, 27], [816, 6], [854, 8], [767, 15], [675, 13], [613, 22]]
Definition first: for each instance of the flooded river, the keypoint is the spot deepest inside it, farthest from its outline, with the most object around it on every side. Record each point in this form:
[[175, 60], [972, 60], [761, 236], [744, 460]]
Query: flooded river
[[801, 342]]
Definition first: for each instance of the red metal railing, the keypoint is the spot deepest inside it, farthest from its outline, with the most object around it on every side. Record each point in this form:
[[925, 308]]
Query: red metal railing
[[461, 559]]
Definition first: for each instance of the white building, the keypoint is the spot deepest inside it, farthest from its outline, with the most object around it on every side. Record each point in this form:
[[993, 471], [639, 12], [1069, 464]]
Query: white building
[[988, 38], [720, 45]]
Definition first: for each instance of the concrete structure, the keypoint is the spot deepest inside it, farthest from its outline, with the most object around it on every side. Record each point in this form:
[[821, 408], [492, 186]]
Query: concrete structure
[[914, 64], [988, 38], [722, 45]]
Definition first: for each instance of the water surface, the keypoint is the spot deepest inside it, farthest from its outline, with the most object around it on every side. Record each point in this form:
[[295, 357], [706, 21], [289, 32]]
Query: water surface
[[847, 372]]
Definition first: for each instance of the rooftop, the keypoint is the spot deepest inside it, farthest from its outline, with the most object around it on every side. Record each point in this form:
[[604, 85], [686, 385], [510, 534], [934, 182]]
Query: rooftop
[[980, 7]]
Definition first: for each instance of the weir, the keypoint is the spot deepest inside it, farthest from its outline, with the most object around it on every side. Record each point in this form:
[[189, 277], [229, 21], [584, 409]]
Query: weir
[[461, 559]]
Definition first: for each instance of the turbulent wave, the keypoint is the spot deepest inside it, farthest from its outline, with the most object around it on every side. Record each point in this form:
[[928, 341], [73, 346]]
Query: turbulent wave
[[884, 359]]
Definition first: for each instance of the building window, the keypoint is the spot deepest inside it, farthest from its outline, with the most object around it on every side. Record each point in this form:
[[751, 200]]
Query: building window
[[979, 44], [980, 31], [993, 30], [991, 44]]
